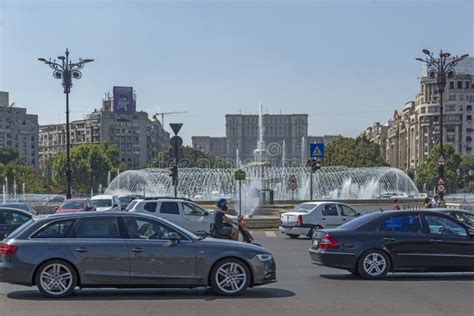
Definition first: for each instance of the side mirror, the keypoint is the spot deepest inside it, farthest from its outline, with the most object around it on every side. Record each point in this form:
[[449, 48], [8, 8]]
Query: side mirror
[[358, 214], [470, 232], [175, 238]]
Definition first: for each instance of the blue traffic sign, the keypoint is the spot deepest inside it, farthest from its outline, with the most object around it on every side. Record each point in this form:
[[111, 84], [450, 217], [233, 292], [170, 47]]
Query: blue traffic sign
[[316, 150]]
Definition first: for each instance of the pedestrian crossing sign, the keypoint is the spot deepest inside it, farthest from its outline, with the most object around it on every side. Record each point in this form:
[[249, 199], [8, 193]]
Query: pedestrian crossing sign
[[316, 150]]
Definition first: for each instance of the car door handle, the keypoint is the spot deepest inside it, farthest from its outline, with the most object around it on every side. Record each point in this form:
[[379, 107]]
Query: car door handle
[[137, 250], [343, 219], [323, 218], [435, 240], [389, 239], [82, 249]]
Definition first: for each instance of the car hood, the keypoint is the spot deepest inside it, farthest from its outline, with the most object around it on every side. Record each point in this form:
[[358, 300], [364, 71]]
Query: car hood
[[226, 244]]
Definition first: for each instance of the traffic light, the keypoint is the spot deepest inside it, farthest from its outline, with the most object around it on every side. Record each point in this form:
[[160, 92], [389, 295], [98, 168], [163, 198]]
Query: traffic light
[[313, 165], [173, 173]]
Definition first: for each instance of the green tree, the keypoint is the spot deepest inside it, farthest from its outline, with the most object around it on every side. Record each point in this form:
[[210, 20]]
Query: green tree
[[350, 152], [192, 158], [466, 172], [427, 173], [8, 154], [20, 173], [90, 165]]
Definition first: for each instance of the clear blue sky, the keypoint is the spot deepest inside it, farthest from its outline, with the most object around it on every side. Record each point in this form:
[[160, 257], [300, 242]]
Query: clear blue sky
[[346, 63]]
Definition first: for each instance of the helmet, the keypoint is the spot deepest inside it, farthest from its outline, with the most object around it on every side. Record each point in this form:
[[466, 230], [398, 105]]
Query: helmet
[[221, 203]]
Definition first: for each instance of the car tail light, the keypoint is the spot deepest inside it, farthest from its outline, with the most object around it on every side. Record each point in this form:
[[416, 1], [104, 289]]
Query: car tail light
[[299, 220], [7, 249], [328, 242]]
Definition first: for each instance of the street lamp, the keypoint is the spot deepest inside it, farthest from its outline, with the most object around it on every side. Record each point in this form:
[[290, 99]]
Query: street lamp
[[440, 68], [66, 71]]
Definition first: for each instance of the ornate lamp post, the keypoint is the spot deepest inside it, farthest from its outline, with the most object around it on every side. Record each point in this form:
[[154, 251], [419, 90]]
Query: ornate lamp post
[[66, 71], [441, 68]]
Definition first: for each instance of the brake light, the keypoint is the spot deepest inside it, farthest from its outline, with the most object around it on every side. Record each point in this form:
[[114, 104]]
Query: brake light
[[299, 220], [328, 242], [7, 249]]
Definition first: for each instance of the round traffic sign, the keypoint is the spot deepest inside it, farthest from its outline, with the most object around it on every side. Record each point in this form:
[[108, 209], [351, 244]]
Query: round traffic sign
[[293, 183], [441, 188], [176, 141]]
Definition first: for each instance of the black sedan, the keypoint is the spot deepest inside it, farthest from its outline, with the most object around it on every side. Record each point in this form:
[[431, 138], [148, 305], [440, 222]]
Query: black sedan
[[11, 219], [461, 215], [396, 241]]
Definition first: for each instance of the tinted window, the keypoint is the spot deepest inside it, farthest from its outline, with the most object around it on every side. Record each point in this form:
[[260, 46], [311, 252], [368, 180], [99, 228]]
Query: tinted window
[[97, 227], [402, 223], [13, 218], [102, 203], [359, 221], [329, 210], [57, 229], [72, 205], [465, 218], [191, 209], [150, 207], [138, 228], [169, 208], [442, 226], [347, 211]]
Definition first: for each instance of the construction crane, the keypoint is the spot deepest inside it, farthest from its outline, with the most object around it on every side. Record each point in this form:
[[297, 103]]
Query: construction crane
[[168, 113]]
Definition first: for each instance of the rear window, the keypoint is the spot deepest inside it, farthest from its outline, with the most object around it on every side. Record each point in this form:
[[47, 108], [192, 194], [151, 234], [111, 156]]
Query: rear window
[[359, 221], [57, 229], [17, 231], [304, 208], [150, 207]]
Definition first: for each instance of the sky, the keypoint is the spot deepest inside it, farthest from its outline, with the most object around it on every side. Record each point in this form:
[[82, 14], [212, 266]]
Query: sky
[[345, 63]]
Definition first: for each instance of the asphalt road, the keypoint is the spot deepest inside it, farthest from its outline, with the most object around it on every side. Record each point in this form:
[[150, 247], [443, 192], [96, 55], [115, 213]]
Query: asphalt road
[[303, 289]]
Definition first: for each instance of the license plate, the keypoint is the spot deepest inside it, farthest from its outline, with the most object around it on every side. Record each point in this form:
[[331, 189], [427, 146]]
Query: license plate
[[316, 243]]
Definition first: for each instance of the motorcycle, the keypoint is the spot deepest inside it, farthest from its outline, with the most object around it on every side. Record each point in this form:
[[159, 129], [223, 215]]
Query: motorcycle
[[243, 231]]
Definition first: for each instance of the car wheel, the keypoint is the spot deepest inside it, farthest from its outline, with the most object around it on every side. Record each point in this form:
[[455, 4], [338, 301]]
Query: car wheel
[[56, 279], [293, 236], [230, 277], [314, 230], [374, 264]]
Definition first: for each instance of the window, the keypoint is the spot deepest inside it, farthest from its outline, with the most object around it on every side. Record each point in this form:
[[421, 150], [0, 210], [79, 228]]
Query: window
[[57, 229], [329, 210], [402, 223], [459, 84], [138, 228], [169, 208], [13, 218], [347, 211], [469, 117], [150, 207], [191, 209], [451, 85], [466, 218], [442, 226], [304, 208], [97, 227], [468, 85]]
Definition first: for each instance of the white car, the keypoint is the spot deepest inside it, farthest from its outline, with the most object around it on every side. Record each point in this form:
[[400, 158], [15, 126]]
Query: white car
[[181, 212], [307, 218], [106, 202]]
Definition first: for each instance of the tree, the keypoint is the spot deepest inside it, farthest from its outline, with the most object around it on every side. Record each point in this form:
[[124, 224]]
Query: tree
[[19, 173], [427, 173], [350, 152], [8, 154], [192, 158], [90, 165], [466, 171]]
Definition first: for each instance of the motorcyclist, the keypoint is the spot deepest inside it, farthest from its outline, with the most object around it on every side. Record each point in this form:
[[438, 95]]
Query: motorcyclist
[[222, 223]]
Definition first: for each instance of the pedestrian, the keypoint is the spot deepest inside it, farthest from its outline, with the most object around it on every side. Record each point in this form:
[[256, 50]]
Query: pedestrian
[[435, 201], [427, 203], [396, 206]]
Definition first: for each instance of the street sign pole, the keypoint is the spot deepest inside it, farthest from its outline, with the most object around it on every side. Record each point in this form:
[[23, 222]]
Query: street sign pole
[[310, 186], [176, 142], [176, 166], [240, 198]]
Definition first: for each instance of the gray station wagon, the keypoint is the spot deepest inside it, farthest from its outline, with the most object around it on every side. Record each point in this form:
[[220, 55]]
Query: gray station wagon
[[61, 252]]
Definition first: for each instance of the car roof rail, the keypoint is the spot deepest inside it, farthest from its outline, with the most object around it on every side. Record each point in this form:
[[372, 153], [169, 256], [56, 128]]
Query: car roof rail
[[166, 197]]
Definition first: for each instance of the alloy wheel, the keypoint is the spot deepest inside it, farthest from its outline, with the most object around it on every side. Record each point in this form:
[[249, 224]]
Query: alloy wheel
[[231, 277], [56, 279], [374, 264]]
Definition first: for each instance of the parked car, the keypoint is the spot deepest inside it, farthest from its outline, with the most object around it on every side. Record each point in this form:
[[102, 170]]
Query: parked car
[[127, 199], [182, 212], [377, 243], [106, 203], [75, 206], [21, 206], [120, 249], [11, 219], [464, 216], [307, 218]]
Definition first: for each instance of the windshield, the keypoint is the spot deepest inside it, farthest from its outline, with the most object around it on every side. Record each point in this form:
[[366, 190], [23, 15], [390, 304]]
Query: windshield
[[359, 221], [304, 208], [102, 203], [72, 205], [131, 205]]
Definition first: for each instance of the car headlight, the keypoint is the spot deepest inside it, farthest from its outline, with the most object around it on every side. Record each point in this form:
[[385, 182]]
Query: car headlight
[[264, 257]]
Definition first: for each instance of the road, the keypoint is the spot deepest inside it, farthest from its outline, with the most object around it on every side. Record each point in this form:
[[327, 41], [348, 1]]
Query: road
[[303, 289]]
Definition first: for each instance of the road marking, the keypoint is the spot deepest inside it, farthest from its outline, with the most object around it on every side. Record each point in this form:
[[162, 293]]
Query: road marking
[[270, 234]]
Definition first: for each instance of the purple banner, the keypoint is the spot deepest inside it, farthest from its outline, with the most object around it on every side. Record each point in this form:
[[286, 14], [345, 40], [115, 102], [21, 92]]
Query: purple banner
[[123, 100]]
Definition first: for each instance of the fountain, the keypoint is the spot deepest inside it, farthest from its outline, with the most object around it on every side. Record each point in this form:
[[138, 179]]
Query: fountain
[[213, 183]]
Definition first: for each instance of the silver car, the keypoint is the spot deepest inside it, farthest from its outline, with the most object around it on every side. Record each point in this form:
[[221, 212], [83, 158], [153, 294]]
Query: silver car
[[113, 249]]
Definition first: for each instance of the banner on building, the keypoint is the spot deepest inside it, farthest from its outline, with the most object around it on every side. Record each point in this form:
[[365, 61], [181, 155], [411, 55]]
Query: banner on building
[[124, 103]]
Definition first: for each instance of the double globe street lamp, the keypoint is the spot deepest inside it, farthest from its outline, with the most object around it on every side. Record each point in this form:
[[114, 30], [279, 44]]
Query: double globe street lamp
[[66, 71], [441, 68]]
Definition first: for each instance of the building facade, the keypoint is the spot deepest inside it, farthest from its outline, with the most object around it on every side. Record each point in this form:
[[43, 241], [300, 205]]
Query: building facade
[[377, 133], [18, 130], [414, 131], [285, 138], [138, 138]]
